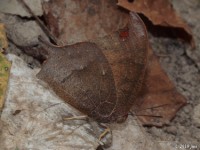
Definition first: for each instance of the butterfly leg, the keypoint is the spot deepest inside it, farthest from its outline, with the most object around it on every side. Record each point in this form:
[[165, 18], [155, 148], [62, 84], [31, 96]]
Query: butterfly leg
[[105, 132]]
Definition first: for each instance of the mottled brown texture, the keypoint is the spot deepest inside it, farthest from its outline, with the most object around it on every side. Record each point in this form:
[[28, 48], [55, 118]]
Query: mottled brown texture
[[100, 78], [74, 21], [160, 13], [158, 96]]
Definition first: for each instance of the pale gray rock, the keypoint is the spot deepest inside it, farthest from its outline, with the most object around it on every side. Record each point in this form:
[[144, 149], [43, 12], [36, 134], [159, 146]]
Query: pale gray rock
[[20, 31], [196, 115], [32, 117], [15, 8], [132, 136]]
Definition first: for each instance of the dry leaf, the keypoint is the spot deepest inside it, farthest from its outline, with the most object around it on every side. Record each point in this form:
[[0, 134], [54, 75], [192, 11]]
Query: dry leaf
[[75, 21], [160, 13], [159, 100], [4, 76], [3, 39], [4, 66]]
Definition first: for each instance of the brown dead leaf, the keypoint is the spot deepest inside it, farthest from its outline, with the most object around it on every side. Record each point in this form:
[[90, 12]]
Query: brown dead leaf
[[74, 20], [159, 100], [160, 13]]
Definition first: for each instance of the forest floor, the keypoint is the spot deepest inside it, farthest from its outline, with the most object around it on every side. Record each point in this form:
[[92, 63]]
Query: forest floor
[[182, 65]]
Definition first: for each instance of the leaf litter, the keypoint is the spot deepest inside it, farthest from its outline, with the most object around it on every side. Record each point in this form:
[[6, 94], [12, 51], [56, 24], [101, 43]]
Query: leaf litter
[[161, 13], [53, 9], [4, 67], [83, 40]]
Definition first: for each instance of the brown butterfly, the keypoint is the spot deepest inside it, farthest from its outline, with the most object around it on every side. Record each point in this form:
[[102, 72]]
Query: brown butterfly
[[102, 77]]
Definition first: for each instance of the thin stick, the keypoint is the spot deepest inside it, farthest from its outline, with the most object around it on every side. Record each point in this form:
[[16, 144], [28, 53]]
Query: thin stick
[[75, 118], [133, 114], [154, 107], [105, 132], [44, 28], [150, 115], [163, 55]]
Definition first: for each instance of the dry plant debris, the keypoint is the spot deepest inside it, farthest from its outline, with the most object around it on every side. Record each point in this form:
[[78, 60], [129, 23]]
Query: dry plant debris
[[160, 13], [165, 97], [159, 101], [4, 66], [77, 21]]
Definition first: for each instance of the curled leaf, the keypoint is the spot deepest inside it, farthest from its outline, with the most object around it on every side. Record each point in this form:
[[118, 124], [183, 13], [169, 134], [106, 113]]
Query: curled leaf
[[160, 13]]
